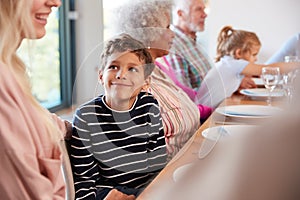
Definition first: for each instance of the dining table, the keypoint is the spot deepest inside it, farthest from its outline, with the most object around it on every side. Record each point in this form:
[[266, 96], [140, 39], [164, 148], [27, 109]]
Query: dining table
[[190, 151]]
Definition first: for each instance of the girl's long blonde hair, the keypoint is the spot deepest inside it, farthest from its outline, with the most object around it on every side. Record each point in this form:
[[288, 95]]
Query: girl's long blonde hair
[[229, 40], [16, 24]]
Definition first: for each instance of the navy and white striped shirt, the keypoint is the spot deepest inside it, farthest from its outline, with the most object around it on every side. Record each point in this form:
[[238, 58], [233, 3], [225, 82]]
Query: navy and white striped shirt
[[116, 148]]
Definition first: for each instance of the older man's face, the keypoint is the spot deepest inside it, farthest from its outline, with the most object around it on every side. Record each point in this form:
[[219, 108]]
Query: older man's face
[[195, 19]]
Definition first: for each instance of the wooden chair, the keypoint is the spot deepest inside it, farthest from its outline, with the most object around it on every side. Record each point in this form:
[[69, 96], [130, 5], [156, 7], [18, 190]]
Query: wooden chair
[[67, 172]]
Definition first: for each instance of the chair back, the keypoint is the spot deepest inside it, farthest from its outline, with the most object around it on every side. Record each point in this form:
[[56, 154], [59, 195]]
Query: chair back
[[67, 172]]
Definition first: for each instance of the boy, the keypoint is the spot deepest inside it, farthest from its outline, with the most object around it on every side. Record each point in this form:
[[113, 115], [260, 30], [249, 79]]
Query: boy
[[118, 139]]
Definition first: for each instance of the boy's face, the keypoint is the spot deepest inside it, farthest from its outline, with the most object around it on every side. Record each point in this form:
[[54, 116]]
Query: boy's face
[[122, 78]]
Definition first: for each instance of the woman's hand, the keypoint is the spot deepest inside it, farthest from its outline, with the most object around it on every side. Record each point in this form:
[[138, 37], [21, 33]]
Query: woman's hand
[[68, 126]]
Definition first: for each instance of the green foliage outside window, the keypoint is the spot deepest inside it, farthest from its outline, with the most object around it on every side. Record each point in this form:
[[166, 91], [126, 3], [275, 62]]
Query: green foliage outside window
[[42, 58]]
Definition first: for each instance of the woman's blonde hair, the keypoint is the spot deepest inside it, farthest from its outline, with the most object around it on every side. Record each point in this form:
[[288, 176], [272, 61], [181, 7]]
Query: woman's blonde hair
[[229, 40], [15, 25]]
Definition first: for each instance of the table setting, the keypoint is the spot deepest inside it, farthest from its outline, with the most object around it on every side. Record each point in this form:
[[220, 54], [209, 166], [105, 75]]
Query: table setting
[[237, 115]]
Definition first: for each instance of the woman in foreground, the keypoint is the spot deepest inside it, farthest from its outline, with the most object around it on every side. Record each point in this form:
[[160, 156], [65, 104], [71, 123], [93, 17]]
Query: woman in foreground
[[30, 154]]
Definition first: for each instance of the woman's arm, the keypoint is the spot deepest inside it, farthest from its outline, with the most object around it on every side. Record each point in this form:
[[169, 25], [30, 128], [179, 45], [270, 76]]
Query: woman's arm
[[64, 125]]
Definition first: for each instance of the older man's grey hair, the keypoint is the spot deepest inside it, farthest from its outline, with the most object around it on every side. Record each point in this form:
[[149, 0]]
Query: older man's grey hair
[[180, 5], [142, 19], [183, 5]]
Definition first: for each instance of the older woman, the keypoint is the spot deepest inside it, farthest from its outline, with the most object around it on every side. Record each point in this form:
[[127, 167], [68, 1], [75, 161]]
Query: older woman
[[148, 21]]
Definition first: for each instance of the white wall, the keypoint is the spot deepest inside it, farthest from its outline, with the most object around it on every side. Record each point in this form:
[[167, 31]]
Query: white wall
[[89, 37], [273, 21]]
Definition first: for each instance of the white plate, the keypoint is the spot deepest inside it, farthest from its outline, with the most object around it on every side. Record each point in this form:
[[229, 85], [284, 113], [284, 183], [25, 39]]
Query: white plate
[[259, 81], [248, 111], [213, 133], [262, 92], [181, 171]]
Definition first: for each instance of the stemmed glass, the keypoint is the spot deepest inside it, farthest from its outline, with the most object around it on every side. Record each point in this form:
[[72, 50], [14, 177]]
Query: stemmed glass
[[270, 77], [291, 59], [287, 83], [288, 78]]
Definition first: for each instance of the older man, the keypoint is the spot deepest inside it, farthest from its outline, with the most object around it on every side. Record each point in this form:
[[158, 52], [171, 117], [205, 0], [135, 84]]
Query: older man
[[188, 58]]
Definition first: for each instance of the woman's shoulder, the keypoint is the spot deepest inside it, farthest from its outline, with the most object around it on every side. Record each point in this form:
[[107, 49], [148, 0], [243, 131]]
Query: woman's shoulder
[[9, 86]]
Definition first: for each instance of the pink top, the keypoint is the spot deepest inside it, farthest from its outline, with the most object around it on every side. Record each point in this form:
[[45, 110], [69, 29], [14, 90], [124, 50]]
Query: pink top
[[164, 65], [179, 113], [30, 164]]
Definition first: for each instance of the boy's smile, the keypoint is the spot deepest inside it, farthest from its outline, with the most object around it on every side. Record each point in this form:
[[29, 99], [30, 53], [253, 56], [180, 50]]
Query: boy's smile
[[123, 78]]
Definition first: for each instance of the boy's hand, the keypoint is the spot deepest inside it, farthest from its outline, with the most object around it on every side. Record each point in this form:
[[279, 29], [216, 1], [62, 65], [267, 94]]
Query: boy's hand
[[115, 194]]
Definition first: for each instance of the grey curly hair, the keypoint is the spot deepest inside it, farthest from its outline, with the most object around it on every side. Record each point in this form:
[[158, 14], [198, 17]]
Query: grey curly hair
[[142, 19]]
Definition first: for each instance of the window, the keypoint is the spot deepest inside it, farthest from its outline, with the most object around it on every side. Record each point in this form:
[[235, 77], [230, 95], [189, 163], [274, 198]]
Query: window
[[49, 61]]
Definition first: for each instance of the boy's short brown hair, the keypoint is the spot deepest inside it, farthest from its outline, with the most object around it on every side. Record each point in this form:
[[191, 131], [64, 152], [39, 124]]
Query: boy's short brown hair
[[123, 43]]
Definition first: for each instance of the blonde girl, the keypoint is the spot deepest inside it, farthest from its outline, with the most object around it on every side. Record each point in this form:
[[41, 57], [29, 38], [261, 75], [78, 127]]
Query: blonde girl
[[237, 52]]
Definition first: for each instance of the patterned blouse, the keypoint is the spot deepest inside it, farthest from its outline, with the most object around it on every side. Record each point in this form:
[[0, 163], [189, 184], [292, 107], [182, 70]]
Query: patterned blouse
[[180, 115]]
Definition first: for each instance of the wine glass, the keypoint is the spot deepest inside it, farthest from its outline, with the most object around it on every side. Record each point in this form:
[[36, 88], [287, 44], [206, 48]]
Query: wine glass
[[291, 59], [270, 77], [288, 78], [288, 83]]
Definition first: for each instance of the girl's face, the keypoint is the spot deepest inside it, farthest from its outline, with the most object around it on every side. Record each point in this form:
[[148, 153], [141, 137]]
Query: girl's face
[[40, 11], [123, 78], [251, 55]]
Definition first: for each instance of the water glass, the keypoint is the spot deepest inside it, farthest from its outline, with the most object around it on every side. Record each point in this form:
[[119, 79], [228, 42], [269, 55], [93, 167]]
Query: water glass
[[270, 77], [291, 59], [288, 78]]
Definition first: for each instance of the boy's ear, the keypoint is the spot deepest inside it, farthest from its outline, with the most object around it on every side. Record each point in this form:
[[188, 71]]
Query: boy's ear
[[100, 76], [147, 83]]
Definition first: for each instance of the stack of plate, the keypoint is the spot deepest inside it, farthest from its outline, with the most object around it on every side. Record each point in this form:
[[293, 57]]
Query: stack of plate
[[262, 93], [259, 82], [247, 114], [216, 132]]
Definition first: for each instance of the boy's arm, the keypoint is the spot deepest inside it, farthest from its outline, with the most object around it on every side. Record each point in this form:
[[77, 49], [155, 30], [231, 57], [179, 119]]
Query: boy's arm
[[157, 143], [84, 165]]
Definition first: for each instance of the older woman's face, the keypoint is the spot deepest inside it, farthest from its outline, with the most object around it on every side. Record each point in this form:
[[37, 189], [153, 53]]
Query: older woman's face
[[164, 40], [40, 11]]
